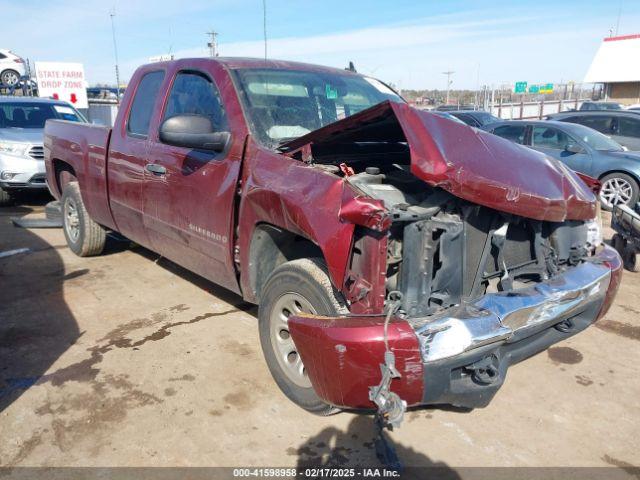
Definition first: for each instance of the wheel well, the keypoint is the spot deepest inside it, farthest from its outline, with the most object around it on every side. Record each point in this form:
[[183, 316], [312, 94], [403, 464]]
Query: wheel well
[[632, 175], [64, 173], [271, 247]]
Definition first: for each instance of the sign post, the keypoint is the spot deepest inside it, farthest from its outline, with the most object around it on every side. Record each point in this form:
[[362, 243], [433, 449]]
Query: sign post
[[62, 81]]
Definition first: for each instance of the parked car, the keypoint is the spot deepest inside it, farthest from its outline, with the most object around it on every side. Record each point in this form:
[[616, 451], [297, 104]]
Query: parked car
[[368, 232], [449, 108], [12, 67], [21, 135], [448, 116], [584, 150], [621, 126], [475, 118], [600, 106]]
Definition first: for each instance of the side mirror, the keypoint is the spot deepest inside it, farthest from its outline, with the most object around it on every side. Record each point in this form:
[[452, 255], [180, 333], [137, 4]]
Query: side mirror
[[193, 131], [573, 148]]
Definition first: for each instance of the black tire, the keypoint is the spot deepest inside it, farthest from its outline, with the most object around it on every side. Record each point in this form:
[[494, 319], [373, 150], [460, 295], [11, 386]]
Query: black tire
[[630, 259], [618, 243], [623, 177], [5, 198], [5, 75], [307, 278], [84, 236]]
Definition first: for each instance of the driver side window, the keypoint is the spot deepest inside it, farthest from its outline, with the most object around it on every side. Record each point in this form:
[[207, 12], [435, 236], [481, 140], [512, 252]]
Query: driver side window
[[194, 93], [546, 137]]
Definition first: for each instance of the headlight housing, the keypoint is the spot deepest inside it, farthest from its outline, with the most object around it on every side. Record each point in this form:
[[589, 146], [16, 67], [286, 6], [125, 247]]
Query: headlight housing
[[13, 148]]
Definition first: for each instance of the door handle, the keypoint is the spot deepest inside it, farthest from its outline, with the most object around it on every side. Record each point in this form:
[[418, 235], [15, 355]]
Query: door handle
[[155, 169]]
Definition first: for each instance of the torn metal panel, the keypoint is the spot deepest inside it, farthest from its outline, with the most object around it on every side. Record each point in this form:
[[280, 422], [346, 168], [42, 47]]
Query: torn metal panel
[[473, 165]]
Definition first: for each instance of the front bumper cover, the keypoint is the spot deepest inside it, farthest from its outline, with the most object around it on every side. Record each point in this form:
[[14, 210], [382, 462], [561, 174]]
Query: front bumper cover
[[461, 357]]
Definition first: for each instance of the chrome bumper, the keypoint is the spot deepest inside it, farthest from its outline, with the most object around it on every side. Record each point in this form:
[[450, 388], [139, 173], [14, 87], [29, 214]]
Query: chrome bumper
[[511, 316]]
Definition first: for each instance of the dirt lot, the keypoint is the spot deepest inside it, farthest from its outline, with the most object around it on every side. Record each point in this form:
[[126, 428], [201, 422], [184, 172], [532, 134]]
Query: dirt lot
[[128, 360]]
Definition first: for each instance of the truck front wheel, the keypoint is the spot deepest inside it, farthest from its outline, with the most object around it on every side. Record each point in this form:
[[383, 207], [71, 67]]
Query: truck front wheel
[[298, 286], [84, 236]]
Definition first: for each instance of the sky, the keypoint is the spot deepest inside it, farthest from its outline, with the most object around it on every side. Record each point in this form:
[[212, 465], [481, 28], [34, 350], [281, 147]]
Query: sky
[[406, 43]]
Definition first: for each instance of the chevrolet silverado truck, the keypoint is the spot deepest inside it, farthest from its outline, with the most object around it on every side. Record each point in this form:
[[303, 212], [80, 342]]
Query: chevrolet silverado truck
[[398, 258]]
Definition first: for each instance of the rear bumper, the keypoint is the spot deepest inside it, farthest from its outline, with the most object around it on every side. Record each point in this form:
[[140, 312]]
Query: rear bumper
[[460, 358]]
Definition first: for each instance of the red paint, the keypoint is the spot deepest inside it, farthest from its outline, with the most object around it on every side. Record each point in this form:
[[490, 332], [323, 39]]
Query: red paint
[[343, 355], [622, 37]]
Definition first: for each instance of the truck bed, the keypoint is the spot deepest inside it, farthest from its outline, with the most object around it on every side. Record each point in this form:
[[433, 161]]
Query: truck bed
[[84, 147]]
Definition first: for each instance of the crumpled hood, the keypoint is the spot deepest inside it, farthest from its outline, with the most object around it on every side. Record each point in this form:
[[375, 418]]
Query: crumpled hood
[[471, 164]]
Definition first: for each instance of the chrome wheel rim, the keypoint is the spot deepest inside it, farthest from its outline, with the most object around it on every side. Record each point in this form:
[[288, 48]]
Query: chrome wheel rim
[[285, 350], [71, 220], [10, 78], [616, 191]]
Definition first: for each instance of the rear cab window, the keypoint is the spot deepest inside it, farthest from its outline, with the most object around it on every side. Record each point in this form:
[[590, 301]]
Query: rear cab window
[[143, 103]]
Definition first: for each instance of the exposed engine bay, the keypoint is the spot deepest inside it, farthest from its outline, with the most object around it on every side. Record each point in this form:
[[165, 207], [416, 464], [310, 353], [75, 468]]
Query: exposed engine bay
[[443, 250]]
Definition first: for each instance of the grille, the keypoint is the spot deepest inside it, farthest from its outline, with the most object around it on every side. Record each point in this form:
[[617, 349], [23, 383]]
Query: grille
[[37, 152]]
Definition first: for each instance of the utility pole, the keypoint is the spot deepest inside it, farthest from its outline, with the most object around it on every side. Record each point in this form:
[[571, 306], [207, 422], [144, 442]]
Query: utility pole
[[213, 44], [264, 26], [115, 51], [449, 82]]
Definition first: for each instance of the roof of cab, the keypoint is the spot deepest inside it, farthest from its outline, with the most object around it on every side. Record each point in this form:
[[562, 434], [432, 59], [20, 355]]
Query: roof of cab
[[237, 63]]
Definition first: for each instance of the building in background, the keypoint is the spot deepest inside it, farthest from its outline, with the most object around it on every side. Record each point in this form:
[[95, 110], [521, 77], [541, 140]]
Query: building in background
[[617, 66]]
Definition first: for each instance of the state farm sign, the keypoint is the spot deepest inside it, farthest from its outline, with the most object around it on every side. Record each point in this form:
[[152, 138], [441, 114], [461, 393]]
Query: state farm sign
[[62, 81]]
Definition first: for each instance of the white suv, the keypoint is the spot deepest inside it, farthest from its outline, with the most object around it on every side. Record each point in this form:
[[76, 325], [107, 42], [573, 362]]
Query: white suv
[[12, 67]]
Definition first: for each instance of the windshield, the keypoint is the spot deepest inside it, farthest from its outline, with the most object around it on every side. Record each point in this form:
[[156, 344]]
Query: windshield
[[33, 115], [597, 140], [285, 104]]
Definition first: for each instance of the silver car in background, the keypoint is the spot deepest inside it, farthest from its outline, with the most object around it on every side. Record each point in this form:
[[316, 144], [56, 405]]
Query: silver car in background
[[21, 135], [12, 68]]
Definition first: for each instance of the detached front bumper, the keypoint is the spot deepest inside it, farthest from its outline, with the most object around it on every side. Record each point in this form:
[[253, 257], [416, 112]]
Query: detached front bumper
[[459, 358]]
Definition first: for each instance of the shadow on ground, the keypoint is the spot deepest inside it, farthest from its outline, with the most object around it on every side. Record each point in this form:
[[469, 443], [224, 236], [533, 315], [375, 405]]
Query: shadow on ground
[[355, 447], [36, 326]]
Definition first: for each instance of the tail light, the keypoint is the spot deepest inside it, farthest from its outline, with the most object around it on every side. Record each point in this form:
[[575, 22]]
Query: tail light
[[18, 60]]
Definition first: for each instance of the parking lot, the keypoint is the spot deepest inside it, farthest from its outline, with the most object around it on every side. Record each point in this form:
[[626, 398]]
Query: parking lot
[[128, 360]]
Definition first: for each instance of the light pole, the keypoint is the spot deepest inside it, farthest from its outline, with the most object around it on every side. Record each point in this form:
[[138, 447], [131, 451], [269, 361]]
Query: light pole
[[115, 51], [449, 82]]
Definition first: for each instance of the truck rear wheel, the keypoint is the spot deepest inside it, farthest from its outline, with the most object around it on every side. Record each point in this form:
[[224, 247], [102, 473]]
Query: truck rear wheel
[[297, 286], [84, 236]]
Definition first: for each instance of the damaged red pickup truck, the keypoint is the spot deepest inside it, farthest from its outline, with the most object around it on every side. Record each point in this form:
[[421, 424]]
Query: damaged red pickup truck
[[397, 257]]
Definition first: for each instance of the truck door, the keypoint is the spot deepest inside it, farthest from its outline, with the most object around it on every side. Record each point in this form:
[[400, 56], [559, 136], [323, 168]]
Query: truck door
[[128, 156], [189, 194]]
